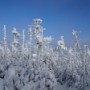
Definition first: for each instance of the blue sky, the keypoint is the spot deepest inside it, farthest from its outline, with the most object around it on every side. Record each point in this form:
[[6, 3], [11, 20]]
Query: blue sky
[[60, 17]]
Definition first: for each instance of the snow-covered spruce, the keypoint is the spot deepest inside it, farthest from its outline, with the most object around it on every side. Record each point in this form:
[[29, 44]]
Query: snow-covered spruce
[[37, 65]]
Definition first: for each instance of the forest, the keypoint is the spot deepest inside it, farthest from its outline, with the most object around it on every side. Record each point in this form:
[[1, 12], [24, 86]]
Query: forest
[[38, 65]]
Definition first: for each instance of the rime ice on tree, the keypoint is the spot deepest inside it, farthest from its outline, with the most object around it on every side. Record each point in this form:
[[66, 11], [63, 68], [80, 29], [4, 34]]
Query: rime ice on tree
[[61, 43], [77, 45], [15, 42], [34, 64]]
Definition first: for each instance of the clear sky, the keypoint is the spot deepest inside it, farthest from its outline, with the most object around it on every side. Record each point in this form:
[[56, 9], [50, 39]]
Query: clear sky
[[59, 17]]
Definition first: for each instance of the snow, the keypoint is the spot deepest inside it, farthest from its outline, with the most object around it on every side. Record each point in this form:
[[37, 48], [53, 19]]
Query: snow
[[35, 64], [57, 87], [1, 84]]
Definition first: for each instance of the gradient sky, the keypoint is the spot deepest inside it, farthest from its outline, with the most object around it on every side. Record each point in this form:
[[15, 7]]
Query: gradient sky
[[59, 17]]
